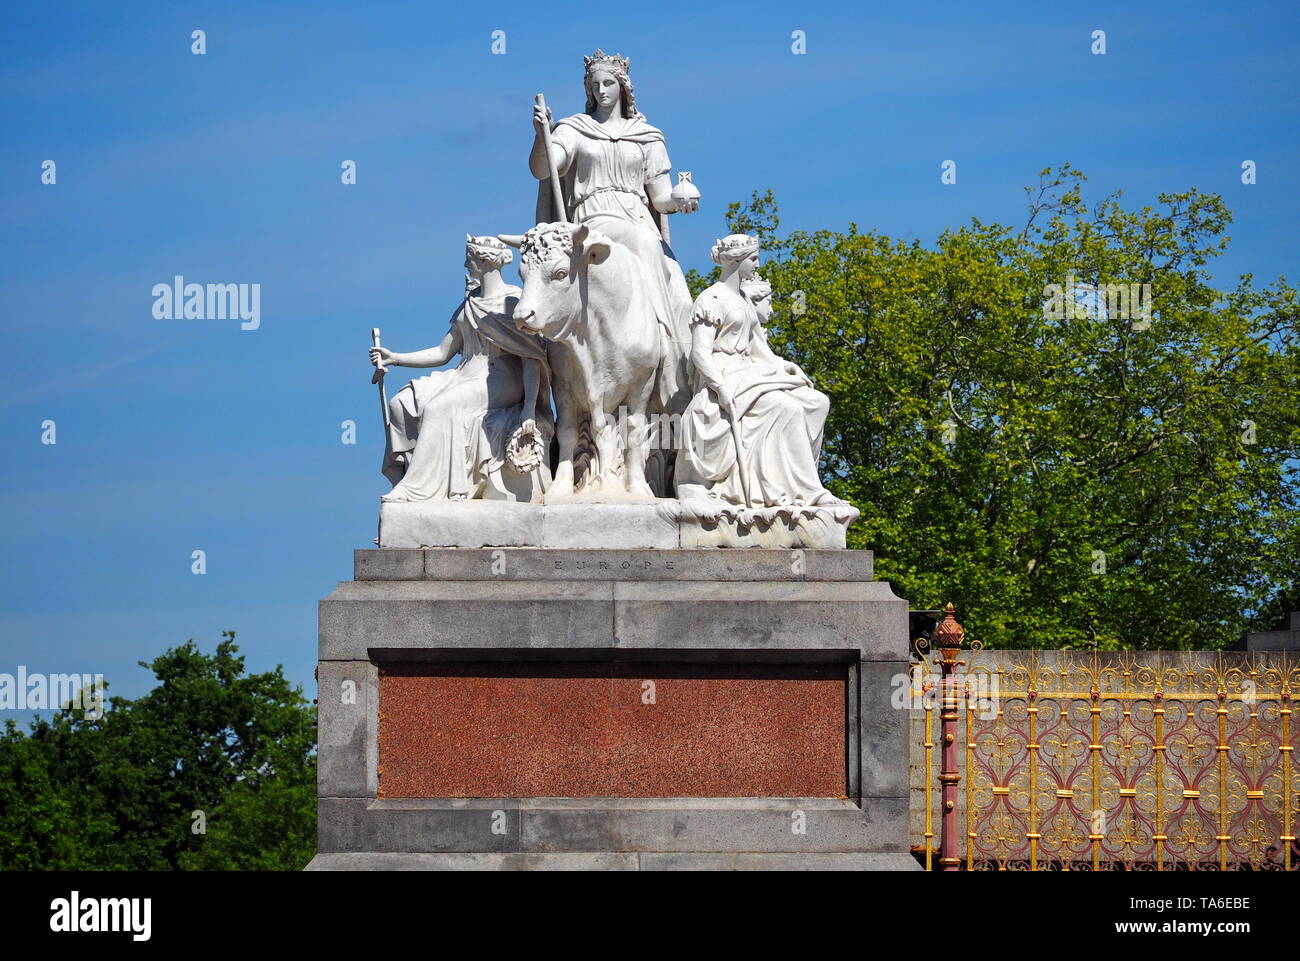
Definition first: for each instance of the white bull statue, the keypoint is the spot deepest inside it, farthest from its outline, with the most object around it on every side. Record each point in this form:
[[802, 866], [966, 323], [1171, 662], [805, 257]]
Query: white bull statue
[[584, 292]]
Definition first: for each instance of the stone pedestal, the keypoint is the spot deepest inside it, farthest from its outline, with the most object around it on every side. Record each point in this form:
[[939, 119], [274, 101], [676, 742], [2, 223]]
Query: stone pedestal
[[612, 709], [611, 522], [1287, 640]]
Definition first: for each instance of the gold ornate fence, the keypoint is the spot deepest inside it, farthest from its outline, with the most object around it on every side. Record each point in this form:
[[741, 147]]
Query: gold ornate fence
[[1117, 760]]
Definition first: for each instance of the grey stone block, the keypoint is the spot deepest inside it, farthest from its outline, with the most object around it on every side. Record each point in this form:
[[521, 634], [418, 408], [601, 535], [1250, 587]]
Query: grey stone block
[[885, 744], [865, 618], [1273, 641], [613, 861], [698, 824], [417, 826], [525, 564], [420, 615], [446, 825], [839, 565], [680, 615], [751, 861], [348, 749], [886, 823], [388, 564], [379, 861], [853, 731]]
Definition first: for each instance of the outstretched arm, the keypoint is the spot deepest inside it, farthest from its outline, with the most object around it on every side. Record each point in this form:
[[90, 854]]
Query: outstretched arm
[[433, 357]]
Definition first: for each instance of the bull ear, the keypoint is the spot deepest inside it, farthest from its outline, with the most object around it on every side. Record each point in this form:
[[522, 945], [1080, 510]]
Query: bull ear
[[597, 247], [511, 240]]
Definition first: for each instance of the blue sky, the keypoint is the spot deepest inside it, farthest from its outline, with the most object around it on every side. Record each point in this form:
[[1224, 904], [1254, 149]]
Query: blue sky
[[179, 435]]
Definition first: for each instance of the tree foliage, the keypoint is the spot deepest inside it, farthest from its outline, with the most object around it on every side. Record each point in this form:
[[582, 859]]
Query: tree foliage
[[210, 748], [1087, 480]]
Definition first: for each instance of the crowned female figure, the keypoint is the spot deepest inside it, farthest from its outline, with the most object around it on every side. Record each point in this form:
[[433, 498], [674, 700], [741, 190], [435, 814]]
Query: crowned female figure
[[451, 430], [614, 175], [752, 432]]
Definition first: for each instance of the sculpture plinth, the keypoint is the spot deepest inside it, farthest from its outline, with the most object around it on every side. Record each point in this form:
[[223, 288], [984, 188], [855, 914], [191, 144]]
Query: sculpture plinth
[[652, 709], [567, 524]]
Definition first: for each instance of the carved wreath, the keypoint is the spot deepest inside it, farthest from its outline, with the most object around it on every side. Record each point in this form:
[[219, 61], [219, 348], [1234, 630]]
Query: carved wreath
[[524, 451]]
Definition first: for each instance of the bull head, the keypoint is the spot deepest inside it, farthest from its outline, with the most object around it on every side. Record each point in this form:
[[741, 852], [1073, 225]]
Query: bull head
[[553, 257]]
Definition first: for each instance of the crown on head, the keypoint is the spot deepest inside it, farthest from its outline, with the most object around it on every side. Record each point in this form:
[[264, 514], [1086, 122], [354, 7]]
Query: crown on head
[[736, 246], [757, 288], [486, 242], [617, 63], [737, 242], [489, 250]]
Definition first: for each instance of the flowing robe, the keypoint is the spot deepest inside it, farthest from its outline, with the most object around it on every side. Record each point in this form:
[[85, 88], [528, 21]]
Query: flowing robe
[[454, 424], [603, 180], [779, 414]]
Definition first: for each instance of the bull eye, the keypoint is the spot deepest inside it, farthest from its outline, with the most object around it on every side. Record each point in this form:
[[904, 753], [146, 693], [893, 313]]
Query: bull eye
[[561, 273]]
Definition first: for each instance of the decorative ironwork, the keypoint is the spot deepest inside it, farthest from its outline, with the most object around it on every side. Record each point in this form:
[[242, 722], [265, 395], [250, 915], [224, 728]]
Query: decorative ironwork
[[1120, 760]]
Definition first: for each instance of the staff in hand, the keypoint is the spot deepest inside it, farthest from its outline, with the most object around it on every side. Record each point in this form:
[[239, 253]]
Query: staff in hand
[[376, 358], [542, 122]]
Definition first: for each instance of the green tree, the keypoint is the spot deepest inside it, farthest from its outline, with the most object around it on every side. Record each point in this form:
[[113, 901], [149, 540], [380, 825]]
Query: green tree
[[40, 826], [1095, 478], [212, 769]]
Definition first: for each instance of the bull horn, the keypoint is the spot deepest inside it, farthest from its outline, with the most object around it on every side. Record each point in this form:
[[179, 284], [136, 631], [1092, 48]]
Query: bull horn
[[579, 233], [512, 240]]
